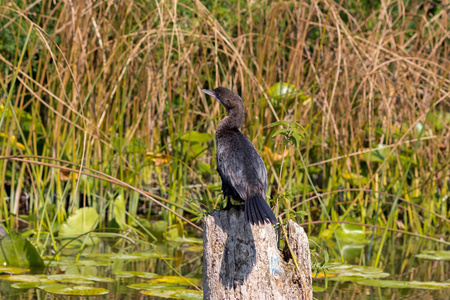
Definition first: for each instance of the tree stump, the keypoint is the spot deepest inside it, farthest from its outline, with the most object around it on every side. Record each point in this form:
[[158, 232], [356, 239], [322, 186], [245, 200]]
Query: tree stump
[[241, 261]]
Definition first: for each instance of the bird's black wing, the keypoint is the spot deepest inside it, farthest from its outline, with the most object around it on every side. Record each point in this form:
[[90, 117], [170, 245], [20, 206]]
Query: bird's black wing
[[240, 166]]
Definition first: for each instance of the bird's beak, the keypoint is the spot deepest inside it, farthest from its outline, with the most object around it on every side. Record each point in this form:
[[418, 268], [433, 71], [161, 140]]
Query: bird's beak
[[212, 94]]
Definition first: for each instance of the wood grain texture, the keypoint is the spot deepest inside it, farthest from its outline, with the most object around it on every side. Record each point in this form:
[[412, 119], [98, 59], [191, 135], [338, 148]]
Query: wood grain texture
[[243, 262]]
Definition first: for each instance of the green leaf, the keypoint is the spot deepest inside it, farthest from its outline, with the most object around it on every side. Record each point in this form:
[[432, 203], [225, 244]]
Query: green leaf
[[279, 131], [298, 125], [158, 228], [13, 270], [84, 220], [119, 210], [176, 280], [205, 168], [74, 278], [167, 290], [435, 255], [318, 289], [430, 285], [76, 290], [284, 123], [196, 137], [189, 294], [129, 274], [41, 279], [296, 136], [282, 90], [17, 251], [26, 285], [123, 256]]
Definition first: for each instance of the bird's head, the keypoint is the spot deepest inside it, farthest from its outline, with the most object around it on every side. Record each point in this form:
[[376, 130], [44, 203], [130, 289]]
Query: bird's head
[[226, 97]]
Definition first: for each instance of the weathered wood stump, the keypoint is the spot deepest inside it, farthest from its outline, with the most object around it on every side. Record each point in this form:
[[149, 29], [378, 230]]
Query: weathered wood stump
[[243, 262]]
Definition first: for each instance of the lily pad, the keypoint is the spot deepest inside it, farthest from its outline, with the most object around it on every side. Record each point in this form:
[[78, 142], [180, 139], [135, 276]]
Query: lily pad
[[123, 256], [84, 220], [154, 286], [359, 272], [406, 284], [354, 273], [130, 274], [167, 291], [65, 261], [13, 270], [78, 279], [148, 275], [26, 285], [76, 290], [189, 294], [163, 293], [177, 280], [435, 255], [41, 279]]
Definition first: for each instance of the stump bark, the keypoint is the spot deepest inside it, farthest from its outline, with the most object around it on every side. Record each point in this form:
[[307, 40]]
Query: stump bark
[[241, 261]]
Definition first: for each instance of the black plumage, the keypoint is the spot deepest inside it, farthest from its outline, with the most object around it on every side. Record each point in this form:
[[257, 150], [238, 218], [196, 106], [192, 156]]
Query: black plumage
[[243, 173]]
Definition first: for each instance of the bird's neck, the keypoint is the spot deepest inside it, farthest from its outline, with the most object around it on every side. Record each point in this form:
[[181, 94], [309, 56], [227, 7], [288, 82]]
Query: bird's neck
[[233, 121]]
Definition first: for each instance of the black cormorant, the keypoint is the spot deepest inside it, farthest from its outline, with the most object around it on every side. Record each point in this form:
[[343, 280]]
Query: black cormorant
[[243, 173]]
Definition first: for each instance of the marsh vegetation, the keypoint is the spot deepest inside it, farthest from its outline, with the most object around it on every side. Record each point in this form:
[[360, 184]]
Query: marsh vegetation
[[104, 134]]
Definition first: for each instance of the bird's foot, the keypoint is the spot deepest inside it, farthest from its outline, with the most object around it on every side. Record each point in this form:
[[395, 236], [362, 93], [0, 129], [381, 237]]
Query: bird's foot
[[240, 207], [236, 207]]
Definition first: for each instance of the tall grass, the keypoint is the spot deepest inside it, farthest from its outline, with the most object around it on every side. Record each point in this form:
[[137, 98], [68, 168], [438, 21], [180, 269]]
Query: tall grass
[[113, 88]]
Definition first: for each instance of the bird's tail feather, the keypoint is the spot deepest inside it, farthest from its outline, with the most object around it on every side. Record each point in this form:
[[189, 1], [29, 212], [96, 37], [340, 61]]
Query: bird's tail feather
[[257, 211]]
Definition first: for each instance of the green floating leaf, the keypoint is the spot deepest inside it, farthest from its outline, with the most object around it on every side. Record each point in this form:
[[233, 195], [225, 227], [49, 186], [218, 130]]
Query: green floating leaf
[[84, 220], [431, 285], [17, 251], [155, 286], [163, 292], [356, 273], [177, 280], [68, 261], [196, 137], [167, 291], [180, 239], [318, 289], [76, 290], [346, 276], [26, 285], [148, 275], [435, 255], [123, 256], [13, 270], [189, 295], [129, 274], [282, 90], [77, 278], [29, 278], [339, 268]]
